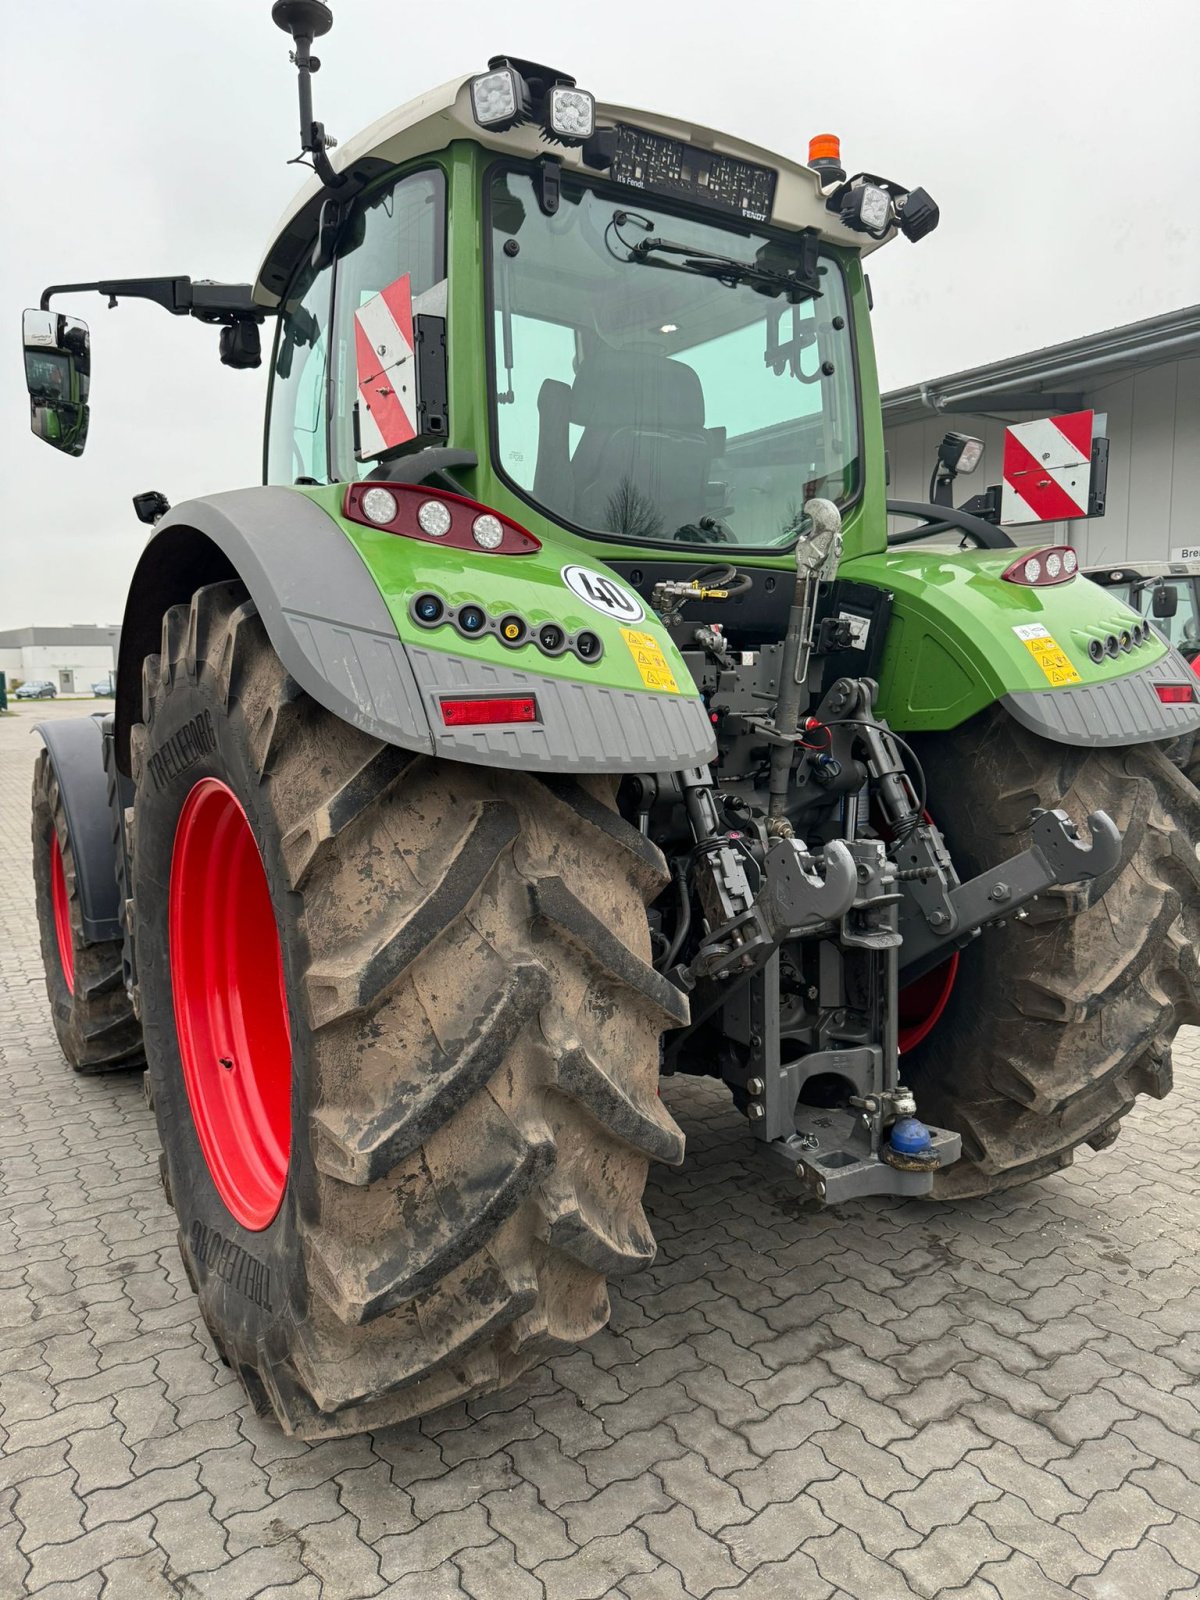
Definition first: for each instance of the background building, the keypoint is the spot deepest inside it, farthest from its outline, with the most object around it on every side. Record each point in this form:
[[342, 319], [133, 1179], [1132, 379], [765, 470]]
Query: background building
[[72, 659], [1145, 377]]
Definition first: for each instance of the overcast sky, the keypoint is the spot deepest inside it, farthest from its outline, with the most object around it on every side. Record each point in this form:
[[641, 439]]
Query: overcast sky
[[1061, 139]]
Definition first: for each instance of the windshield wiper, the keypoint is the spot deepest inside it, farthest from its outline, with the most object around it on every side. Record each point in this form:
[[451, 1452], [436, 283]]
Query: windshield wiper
[[773, 271]]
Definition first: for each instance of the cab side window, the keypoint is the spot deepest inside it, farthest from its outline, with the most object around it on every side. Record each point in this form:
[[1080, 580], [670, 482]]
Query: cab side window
[[391, 261], [297, 427]]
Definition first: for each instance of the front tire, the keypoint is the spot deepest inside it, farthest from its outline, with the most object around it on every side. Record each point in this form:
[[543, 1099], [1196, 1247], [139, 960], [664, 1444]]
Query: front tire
[[1057, 1023], [474, 1043]]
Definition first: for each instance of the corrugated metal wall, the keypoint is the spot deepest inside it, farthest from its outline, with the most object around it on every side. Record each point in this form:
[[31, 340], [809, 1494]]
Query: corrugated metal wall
[[1153, 469]]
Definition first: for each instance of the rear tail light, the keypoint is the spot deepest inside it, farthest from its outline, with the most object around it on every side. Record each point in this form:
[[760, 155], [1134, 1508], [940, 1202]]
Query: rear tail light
[[1057, 563], [1175, 694], [435, 517], [488, 710]]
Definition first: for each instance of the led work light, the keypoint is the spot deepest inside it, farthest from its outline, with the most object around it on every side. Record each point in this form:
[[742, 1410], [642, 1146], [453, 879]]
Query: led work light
[[959, 452], [570, 114], [500, 99], [514, 90], [867, 208]]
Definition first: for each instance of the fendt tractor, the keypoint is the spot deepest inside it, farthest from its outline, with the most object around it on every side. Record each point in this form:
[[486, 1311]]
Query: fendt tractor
[[555, 716]]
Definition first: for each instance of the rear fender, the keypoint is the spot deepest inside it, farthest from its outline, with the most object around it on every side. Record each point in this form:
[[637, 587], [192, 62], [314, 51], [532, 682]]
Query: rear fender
[[76, 750], [328, 622], [962, 638]]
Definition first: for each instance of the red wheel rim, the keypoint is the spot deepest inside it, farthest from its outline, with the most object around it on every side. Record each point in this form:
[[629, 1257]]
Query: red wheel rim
[[922, 1003], [62, 912], [231, 1013]]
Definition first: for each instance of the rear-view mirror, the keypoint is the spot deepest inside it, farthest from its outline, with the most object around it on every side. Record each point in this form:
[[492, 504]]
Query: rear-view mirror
[[58, 369], [1165, 600]]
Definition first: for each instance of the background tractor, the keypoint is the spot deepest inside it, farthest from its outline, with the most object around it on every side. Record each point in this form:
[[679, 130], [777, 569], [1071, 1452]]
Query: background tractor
[[555, 715]]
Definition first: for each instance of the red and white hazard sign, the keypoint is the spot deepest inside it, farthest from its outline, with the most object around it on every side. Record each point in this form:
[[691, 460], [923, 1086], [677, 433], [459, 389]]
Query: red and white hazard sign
[[1047, 468], [387, 383]]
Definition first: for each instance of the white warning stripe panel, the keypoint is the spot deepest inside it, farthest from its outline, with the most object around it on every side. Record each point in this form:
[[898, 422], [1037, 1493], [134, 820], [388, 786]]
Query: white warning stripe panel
[[384, 334], [1047, 441], [383, 339], [1047, 469]]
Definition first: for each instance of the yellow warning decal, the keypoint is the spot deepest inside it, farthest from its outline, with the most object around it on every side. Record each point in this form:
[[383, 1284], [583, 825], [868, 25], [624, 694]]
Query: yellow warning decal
[[1048, 653], [650, 661]]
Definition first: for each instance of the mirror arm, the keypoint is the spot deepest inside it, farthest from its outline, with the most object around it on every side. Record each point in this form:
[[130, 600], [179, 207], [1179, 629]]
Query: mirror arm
[[208, 302]]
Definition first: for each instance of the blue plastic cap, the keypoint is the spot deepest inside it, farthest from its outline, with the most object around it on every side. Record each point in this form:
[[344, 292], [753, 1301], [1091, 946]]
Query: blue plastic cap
[[910, 1137]]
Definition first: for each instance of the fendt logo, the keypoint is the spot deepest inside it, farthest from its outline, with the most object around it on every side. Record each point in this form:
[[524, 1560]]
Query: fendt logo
[[603, 594]]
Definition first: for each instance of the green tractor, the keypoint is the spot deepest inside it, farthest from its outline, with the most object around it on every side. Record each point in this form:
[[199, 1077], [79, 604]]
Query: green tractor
[[555, 716]]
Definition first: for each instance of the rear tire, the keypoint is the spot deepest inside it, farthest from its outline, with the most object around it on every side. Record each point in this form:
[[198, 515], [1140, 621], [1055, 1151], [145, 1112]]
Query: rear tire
[[1057, 1023], [92, 1013], [475, 1030]]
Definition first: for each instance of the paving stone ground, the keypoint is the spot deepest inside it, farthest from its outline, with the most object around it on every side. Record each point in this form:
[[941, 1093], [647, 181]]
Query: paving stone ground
[[994, 1400]]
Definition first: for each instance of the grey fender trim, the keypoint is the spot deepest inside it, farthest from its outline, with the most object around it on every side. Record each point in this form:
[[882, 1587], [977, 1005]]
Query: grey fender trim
[[329, 625], [76, 750], [583, 728], [1122, 711], [323, 613]]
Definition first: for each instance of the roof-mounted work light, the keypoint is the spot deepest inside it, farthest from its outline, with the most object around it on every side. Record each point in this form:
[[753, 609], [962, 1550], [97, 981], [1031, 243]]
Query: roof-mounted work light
[[874, 205], [500, 99], [570, 114], [867, 208], [514, 90], [917, 214]]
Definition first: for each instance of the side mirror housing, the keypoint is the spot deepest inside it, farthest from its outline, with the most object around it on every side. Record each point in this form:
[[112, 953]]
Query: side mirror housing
[[58, 369], [1165, 600]]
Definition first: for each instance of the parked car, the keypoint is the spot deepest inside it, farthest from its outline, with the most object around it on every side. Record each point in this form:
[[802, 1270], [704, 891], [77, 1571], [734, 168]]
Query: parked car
[[35, 689], [104, 689]]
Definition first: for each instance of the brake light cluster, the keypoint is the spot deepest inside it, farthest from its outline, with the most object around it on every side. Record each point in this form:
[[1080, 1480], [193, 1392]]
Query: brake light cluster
[[436, 517], [1057, 563]]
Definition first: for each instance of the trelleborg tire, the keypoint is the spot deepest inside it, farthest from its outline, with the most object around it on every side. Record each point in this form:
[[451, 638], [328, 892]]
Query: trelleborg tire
[[474, 1029], [1058, 1022], [92, 1013]]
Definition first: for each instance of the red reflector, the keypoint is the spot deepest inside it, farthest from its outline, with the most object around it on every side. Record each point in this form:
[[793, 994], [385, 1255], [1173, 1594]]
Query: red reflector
[[473, 713], [1175, 694]]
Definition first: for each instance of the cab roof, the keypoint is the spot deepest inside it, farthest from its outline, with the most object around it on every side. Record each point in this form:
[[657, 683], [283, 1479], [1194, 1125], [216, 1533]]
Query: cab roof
[[436, 118]]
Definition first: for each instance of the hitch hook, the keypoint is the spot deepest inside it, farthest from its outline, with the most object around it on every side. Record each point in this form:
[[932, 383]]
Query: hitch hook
[[795, 896], [1057, 838]]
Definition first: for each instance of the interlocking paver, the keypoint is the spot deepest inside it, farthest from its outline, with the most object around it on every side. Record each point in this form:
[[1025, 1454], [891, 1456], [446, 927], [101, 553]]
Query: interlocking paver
[[1056, 1550], [1147, 1570], [1115, 1520], [996, 1401], [14, 1564], [713, 1502], [622, 1503], [950, 1557], [492, 1569], [776, 1531], [598, 1567]]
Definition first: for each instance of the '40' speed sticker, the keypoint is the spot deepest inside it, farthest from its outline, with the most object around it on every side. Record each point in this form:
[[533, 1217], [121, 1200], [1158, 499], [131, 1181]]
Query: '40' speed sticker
[[603, 594]]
